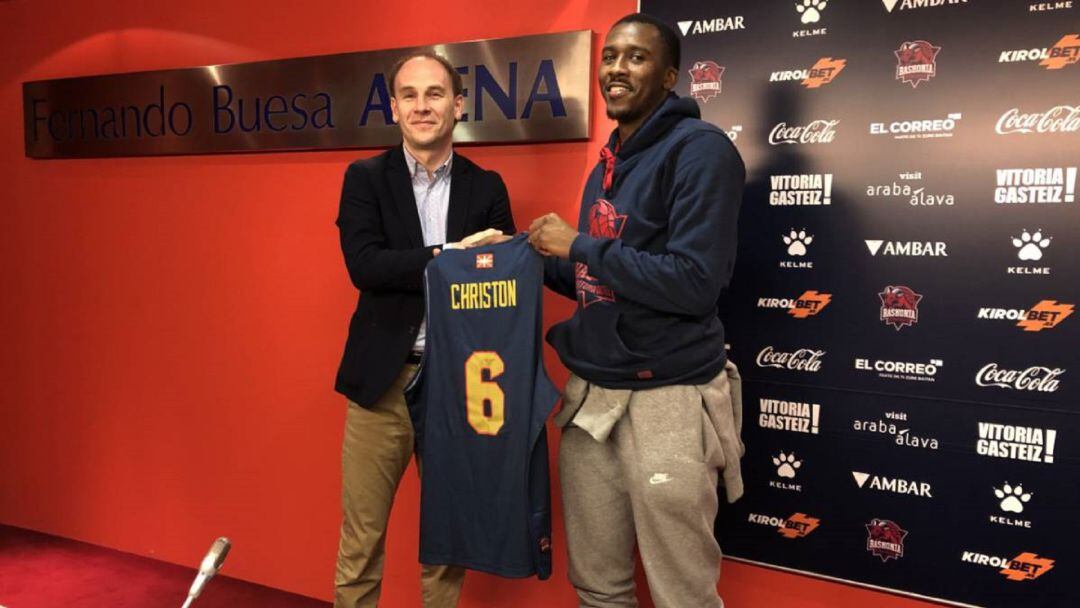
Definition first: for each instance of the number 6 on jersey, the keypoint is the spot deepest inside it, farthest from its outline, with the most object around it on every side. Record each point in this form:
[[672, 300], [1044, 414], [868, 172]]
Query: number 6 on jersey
[[484, 400]]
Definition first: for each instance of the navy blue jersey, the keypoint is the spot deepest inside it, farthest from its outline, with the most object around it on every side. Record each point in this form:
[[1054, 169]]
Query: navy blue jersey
[[478, 404]]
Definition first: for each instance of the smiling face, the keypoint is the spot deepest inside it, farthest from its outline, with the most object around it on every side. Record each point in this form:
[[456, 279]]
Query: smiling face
[[635, 74], [424, 105]]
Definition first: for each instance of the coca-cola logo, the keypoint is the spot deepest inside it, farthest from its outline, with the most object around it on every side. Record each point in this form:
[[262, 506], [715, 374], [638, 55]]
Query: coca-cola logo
[[1035, 378], [817, 132], [1059, 119], [803, 360]]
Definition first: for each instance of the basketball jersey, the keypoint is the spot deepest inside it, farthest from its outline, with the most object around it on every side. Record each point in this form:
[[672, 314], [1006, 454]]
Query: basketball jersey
[[478, 404]]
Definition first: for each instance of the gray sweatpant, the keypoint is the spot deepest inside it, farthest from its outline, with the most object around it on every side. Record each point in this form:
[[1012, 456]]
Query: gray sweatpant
[[652, 481]]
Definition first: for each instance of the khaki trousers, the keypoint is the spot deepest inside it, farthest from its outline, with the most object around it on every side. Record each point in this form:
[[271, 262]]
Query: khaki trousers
[[376, 451], [653, 483]]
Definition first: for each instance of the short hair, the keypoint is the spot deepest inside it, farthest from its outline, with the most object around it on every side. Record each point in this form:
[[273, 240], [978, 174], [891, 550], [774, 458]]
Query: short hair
[[668, 37], [455, 78]]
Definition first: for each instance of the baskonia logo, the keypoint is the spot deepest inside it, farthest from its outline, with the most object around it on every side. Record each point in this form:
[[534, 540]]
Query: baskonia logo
[[916, 61], [794, 416], [1058, 119], [885, 539], [705, 80], [809, 304], [1037, 378], [819, 131], [1065, 51], [899, 306], [1047, 314], [820, 74], [1026, 443], [1024, 567], [1044, 185], [806, 189], [797, 526]]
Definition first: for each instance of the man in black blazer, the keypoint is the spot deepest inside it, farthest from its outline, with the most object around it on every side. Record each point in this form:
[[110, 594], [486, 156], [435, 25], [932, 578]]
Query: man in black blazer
[[399, 210]]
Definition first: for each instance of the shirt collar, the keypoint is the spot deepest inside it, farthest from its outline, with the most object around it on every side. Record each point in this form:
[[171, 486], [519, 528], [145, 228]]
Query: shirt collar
[[416, 169]]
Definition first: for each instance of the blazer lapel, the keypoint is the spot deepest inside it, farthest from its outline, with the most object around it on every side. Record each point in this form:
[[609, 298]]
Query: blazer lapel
[[460, 195], [402, 191]]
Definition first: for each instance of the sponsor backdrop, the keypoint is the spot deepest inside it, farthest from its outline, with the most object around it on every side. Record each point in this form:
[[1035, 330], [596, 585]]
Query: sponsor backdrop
[[903, 307]]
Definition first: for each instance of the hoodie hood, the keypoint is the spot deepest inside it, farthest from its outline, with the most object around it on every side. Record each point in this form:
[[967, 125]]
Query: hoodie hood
[[672, 110]]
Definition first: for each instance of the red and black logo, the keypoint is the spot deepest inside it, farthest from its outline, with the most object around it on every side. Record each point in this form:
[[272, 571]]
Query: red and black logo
[[916, 61], [604, 222], [885, 539], [899, 306], [705, 80]]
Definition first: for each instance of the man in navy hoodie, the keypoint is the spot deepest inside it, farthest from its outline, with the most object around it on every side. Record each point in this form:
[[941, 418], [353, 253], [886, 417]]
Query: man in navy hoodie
[[651, 414]]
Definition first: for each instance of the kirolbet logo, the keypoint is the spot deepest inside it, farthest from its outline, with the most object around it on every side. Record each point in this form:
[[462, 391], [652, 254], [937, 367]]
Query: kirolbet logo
[[797, 526], [1047, 314], [808, 304], [1024, 567]]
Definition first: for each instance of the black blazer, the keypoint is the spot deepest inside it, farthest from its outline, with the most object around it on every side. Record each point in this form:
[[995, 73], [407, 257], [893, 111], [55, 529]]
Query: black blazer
[[385, 255]]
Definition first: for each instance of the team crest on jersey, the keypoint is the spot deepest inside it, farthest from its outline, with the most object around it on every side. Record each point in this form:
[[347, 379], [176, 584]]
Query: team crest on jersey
[[485, 260], [705, 80], [899, 306], [604, 222], [916, 61], [885, 539]]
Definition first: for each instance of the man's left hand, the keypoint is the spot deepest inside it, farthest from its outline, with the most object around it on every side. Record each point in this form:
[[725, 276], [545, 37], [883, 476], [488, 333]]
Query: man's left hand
[[550, 235]]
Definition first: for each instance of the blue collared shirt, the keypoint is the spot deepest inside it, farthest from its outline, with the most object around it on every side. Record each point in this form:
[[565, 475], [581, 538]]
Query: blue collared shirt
[[432, 194]]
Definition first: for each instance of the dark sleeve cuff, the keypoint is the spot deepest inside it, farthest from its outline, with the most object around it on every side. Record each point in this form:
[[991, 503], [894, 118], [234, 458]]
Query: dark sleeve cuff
[[582, 247]]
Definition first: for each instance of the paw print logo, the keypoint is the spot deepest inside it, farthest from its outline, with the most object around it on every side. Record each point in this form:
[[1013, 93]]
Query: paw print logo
[[810, 10], [1031, 245], [797, 242], [1012, 498], [786, 465]]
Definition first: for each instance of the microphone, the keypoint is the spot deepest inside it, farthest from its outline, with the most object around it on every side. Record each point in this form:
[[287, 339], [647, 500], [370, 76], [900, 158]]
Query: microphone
[[208, 568]]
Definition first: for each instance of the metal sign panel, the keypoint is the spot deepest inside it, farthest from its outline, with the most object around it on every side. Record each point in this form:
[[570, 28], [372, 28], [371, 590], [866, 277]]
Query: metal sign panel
[[529, 88]]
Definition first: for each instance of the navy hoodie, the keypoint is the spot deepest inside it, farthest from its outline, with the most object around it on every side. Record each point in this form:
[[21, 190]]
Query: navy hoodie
[[657, 245]]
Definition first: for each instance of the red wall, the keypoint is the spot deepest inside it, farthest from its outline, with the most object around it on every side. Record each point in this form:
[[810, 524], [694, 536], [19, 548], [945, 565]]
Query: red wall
[[171, 326]]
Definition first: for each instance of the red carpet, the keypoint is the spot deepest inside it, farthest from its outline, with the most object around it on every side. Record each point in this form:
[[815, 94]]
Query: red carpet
[[42, 571]]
